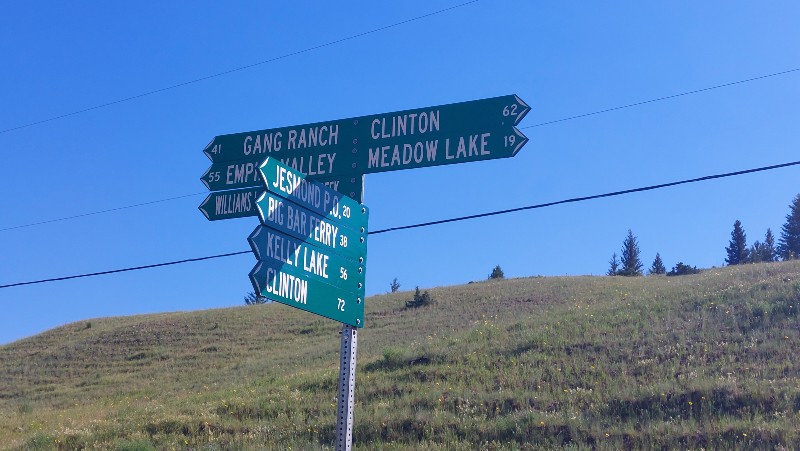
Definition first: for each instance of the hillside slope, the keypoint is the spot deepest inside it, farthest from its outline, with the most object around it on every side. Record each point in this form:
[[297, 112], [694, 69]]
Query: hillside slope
[[609, 362]]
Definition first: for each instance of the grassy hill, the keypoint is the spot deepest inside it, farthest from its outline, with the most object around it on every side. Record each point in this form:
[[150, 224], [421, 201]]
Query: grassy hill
[[702, 361]]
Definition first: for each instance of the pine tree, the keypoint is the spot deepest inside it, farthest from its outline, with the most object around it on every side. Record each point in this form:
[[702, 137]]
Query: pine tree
[[395, 285], [768, 251], [789, 246], [658, 266], [497, 273], [631, 264], [737, 247], [764, 252], [756, 252], [614, 263]]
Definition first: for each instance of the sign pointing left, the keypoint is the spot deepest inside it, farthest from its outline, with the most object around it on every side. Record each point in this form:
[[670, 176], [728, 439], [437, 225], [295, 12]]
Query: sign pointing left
[[312, 247], [439, 135], [239, 203], [278, 283]]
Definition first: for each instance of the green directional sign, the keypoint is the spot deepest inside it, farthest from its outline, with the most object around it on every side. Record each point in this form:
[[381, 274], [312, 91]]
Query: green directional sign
[[294, 186], [344, 236], [283, 283], [238, 203], [448, 134], [241, 203], [308, 260], [234, 175]]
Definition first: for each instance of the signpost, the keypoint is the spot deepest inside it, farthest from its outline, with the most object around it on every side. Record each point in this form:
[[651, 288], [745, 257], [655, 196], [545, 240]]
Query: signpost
[[345, 237], [317, 263], [241, 203], [238, 203], [292, 286], [312, 244], [224, 176], [294, 186], [432, 136]]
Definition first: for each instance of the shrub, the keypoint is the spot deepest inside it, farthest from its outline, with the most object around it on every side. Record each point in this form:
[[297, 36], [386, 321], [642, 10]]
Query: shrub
[[252, 298], [680, 269], [420, 300]]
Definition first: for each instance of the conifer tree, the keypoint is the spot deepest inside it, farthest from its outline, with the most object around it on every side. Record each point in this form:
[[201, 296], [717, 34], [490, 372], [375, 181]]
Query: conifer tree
[[613, 270], [789, 246], [737, 247], [497, 273], [756, 253], [658, 266], [768, 251], [630, 261]]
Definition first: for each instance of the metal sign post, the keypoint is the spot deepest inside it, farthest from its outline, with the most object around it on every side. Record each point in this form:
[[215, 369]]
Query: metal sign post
[[293, 178], [347, 388], [347, 380]]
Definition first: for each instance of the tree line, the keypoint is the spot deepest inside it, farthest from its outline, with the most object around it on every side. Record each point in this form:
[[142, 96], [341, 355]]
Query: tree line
[[788, 248]]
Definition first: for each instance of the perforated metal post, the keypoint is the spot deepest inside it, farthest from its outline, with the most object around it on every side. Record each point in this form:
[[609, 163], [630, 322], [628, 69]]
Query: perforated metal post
[[347, 388], [347, 376]]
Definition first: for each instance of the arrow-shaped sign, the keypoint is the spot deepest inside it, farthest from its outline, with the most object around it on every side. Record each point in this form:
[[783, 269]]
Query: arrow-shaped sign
[[241, 203], [281, 283], [448, 134], [338, 135], [293, 185], [312, 247], [238, 203], [308, 261], [436, 150], [234, 175], [346, 237]]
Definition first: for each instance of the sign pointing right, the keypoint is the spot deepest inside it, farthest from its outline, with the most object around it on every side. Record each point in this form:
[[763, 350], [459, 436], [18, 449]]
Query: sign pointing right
[[432, 136]]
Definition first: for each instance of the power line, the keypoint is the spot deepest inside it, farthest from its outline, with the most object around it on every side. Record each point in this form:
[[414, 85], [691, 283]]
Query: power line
[[696, 91], [431, 223], [581, 199], [528, 126], [135, 268], [237, 69], [103, 211]]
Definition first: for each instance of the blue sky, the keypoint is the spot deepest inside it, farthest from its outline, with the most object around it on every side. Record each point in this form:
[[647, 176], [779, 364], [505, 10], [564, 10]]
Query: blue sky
[[562, 58]]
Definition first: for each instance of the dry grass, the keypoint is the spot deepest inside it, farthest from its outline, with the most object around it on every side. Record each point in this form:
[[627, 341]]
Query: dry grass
[[704, 361]]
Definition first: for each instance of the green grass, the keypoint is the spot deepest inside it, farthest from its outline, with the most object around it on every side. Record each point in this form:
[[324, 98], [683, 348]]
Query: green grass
[[703, 361]]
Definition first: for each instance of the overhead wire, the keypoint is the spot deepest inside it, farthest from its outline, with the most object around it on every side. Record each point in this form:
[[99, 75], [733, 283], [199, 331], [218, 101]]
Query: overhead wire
[[644, 102], [237, 69], [607, 110], [431, 223], [83, 215]]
